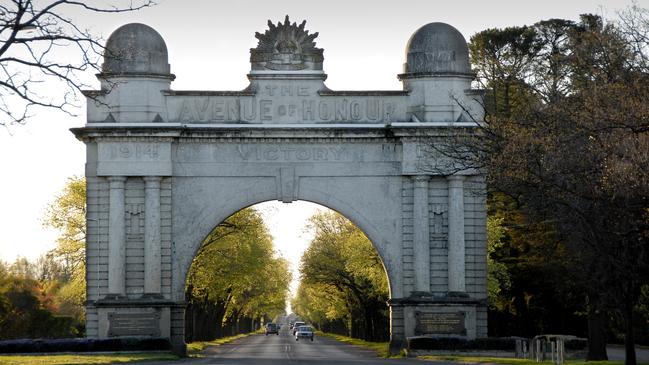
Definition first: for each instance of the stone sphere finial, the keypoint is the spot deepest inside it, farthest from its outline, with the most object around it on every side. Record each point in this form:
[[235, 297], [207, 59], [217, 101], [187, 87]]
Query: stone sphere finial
[[437, 49], [136, 49]]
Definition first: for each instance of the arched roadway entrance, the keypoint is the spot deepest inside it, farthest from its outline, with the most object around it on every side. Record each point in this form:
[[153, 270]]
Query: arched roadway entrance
[[211, 214], [165, 166]]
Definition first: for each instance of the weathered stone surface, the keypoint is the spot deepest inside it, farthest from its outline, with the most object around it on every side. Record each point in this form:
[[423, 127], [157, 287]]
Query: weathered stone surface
[[136, 49], [437, 48], [164, 167]]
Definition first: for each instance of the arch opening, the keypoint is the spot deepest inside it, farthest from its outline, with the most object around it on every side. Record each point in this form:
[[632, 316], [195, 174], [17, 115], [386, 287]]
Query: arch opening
[[249, 269]]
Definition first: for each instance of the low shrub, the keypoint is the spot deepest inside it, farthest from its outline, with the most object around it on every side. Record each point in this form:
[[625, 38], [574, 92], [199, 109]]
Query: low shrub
[[84, 345], [461, 344], [576, 344]]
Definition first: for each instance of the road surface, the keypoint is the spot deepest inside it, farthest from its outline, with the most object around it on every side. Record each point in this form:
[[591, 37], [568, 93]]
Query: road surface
[[283, 349]]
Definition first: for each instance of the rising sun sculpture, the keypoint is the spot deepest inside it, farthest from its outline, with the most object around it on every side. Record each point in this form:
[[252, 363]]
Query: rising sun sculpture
[[286, 47]]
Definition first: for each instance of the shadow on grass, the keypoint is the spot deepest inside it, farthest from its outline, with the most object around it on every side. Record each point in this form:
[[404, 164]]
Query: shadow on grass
[[73, 359], [512, 361]]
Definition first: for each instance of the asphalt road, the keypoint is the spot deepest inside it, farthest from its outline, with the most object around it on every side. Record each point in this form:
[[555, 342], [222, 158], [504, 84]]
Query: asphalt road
[[283, 349]]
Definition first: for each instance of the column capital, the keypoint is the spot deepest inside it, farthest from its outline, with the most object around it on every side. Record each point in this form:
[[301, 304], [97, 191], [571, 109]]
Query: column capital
[[455, 177], [152, 181], [421, 181], [117, 178], [116, 182]]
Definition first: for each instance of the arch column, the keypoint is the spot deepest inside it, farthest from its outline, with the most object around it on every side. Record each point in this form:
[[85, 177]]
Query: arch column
[[456, 243], [152, 264], [421, 234], [116, 238]]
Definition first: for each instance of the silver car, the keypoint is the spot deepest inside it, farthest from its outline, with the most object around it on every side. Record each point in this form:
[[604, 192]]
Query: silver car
[[304, 332], [297, 325]]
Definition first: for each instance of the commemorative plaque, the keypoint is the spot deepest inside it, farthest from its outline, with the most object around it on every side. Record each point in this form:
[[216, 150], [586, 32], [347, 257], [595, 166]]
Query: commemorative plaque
[[134, 324], [440, 323]]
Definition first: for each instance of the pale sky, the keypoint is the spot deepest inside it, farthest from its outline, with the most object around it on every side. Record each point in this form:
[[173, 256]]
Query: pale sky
[[208, 43]]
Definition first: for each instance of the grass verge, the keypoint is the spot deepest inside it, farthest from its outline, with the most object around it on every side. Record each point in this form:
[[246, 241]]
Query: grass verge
[[72, 359], [512, 361], [382, 348], [194, 348]]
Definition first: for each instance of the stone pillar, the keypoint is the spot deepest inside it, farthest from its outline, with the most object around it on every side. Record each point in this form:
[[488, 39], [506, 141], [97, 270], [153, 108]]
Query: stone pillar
[[397, 331], [152, 235], [421, 235], [116, 238], [456, 245]]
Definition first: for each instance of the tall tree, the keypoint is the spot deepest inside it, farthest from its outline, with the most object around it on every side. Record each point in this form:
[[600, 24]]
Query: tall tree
[[235, 275], [574, 153], [342, 261], [42, 48], [67, 214], [26, 306]]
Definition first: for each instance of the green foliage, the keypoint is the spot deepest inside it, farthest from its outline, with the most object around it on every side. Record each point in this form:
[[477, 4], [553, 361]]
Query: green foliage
[[235, 275], [195, 348], [67, 262], [46, 298], [342, 279], [382, 348], [67, 214], [23, 313], [498, 279]]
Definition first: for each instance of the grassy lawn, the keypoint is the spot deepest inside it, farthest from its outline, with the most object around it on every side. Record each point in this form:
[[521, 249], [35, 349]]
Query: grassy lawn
[[73, 359], [382, 348], [194, 348], [512, 361]]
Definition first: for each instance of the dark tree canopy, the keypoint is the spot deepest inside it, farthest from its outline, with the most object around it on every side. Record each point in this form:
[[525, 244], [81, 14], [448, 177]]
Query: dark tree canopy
[[566, 138]]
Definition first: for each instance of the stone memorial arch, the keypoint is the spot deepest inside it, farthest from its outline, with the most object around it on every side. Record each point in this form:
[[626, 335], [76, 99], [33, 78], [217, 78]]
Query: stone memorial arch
[[164, 167]]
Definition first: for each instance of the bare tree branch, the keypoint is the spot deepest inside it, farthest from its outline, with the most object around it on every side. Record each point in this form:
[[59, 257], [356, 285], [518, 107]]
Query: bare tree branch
[[42, 48]]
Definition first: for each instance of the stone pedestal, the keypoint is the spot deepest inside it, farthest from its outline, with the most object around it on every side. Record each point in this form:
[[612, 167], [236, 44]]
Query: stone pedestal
[[425, 315], [134, 318]]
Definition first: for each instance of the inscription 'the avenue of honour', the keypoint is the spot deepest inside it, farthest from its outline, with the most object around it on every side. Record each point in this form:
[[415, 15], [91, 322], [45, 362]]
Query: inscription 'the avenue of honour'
[[283, 104]]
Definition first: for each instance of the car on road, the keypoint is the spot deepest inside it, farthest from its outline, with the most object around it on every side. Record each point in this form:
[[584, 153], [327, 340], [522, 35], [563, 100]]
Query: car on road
[[296, 325], [272, 328], [304, 332]]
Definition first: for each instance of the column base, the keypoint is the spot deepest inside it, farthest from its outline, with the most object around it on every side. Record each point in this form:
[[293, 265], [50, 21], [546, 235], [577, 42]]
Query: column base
[[179, 348], [115, 297], [397, 345], [156, 296]]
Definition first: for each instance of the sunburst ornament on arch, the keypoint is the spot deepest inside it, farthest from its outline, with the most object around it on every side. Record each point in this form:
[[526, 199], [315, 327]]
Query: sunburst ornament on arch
[[286, 47]]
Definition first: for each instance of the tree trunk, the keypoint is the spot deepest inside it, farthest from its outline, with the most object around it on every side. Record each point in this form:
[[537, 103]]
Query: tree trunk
[[596, 336], [629, 337]]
